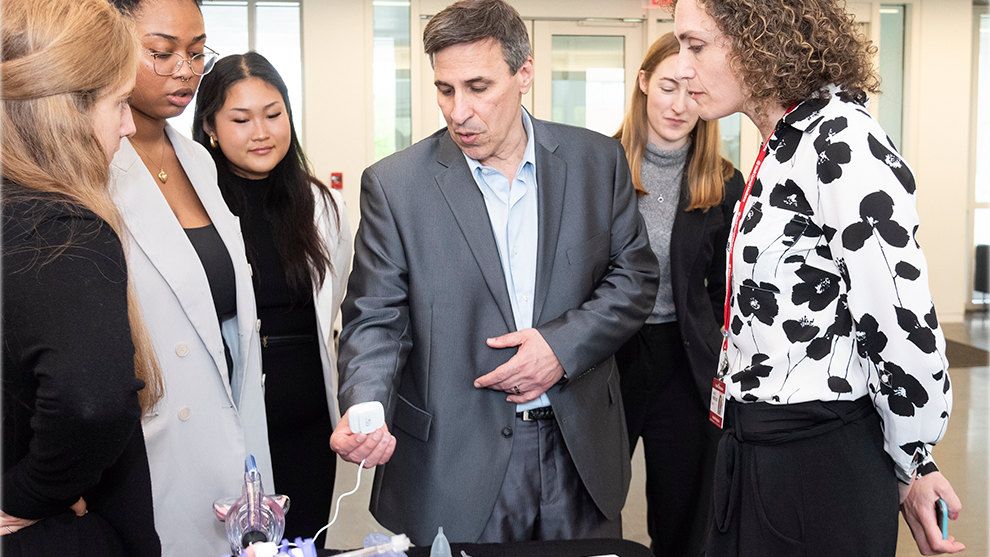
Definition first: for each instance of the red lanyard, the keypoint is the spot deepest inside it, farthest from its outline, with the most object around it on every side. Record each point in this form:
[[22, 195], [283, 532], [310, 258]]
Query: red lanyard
[[735, 231]]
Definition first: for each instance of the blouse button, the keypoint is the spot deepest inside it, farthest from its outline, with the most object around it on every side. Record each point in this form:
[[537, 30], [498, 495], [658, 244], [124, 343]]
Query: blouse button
[[181, 350], [184, 414]]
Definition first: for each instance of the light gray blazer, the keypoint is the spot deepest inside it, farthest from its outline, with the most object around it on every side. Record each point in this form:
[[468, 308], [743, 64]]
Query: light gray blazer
[[327, 298], [427, 289], [199, 434]]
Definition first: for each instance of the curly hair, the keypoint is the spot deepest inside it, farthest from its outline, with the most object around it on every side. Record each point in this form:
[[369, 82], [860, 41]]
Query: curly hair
[[791, 50]]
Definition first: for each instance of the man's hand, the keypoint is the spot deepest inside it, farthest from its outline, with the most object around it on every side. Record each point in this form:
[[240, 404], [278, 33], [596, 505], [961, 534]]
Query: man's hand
[[918, 508], [375, 448], [529, 373]]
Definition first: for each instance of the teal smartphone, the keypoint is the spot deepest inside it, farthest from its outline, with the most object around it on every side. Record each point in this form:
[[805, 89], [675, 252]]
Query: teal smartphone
[[942, 517]]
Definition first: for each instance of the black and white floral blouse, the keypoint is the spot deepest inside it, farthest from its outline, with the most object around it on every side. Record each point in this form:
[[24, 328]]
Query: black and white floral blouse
[[830, 296]]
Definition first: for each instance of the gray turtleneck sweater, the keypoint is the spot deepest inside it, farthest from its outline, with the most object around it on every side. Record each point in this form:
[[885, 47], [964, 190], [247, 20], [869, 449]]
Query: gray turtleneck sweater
[[661, 174]]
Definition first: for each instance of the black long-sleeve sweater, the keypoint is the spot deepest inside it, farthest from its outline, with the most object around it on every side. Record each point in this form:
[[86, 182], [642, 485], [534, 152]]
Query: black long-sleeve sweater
[[71, 417]]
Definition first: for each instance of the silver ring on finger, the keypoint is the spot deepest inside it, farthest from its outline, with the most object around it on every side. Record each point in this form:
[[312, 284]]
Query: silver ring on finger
[[9, 531], [516, 390]]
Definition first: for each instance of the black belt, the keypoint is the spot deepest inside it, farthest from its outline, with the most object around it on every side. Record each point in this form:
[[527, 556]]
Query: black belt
[[542, 413], [761, 423], [279, 340]]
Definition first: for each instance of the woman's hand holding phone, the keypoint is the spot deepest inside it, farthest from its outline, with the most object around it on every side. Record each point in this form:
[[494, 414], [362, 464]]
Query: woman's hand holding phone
[[917, 508]]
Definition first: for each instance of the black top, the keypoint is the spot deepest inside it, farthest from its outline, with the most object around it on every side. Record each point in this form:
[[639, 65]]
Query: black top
[[219, 268], [278, 314], [71, 417]]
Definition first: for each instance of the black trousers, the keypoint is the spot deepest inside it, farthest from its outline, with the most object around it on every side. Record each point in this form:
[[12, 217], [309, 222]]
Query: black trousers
[[808, 479], [663, 407], [299, 436]]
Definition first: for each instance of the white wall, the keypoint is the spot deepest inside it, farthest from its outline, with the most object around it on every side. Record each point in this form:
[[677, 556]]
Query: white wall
[[338, 137], [938, 111], [337, 37]]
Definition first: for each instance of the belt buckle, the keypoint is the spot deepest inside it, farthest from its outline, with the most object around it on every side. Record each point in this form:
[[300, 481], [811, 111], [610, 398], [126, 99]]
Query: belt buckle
[[526, 418]]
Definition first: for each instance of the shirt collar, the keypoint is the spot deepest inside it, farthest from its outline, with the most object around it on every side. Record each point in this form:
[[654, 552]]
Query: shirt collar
[[808, 113], [529, 156]]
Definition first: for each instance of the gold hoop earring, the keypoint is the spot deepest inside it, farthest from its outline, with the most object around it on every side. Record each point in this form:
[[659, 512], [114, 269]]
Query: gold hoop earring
[[213, 142]]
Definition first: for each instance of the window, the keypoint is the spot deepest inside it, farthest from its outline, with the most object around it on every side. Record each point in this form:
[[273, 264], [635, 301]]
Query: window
[[271, 28], [588, 81], [729, 128], [891, 109], [391, 78]]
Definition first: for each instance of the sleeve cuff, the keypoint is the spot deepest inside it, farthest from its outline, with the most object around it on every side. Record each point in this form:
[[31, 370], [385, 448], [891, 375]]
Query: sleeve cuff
[[925, 467]]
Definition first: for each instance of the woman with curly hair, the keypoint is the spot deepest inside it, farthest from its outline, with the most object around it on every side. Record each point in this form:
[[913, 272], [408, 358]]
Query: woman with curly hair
[[686, 193], [833, 362]]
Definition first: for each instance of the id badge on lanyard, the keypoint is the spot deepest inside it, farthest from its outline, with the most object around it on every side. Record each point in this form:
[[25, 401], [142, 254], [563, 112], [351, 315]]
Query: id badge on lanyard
[[716, 412]]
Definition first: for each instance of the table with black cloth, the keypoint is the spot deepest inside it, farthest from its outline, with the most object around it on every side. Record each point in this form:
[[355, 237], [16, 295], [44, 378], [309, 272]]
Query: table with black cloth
[[556, 548]]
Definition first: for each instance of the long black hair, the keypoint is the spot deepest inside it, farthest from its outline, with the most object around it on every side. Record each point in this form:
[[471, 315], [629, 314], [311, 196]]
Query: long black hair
[[290, 205]]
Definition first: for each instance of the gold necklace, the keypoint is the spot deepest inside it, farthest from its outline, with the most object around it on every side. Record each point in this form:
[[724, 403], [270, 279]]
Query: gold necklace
[[161, 165]]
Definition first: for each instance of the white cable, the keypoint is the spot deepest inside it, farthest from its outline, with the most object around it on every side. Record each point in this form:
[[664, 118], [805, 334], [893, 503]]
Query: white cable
[[342, 495]]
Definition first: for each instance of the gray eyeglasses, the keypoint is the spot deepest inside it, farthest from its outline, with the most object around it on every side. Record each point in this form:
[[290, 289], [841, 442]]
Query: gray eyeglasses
[[167, 63]]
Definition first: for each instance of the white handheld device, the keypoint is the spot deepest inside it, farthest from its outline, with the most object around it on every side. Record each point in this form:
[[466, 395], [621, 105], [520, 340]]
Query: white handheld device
[[366, 417]]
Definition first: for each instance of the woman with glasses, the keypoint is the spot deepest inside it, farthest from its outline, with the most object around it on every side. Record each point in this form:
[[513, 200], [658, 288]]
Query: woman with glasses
[[78, 369], [191, 274], [299, 245]]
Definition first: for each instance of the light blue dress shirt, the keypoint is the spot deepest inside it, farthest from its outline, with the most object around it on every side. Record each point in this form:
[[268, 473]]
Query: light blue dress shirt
[[514, 215]]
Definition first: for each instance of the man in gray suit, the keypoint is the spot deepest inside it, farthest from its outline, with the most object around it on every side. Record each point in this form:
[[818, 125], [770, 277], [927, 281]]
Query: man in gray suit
[[498, 265]]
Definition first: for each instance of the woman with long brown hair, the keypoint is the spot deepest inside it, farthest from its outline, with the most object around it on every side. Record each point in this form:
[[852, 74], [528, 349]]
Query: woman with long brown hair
[[78, 368], [686, 195]]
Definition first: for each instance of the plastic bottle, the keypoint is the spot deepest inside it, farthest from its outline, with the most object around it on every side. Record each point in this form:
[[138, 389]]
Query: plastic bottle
[[440, 547]]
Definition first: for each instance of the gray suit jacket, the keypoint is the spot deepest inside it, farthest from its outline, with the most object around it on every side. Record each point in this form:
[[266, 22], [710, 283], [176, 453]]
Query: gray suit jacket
[[426, 291]]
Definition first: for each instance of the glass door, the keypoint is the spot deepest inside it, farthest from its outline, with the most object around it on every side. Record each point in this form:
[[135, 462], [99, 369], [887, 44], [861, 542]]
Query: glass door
[[585, 71]]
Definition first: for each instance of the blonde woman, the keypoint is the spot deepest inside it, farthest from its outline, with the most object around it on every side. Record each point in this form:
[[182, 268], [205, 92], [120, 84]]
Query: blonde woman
[[78, 369], [686, 195]]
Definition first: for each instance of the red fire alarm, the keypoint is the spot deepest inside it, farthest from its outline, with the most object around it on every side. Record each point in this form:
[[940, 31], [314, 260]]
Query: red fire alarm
[[337, 180]]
